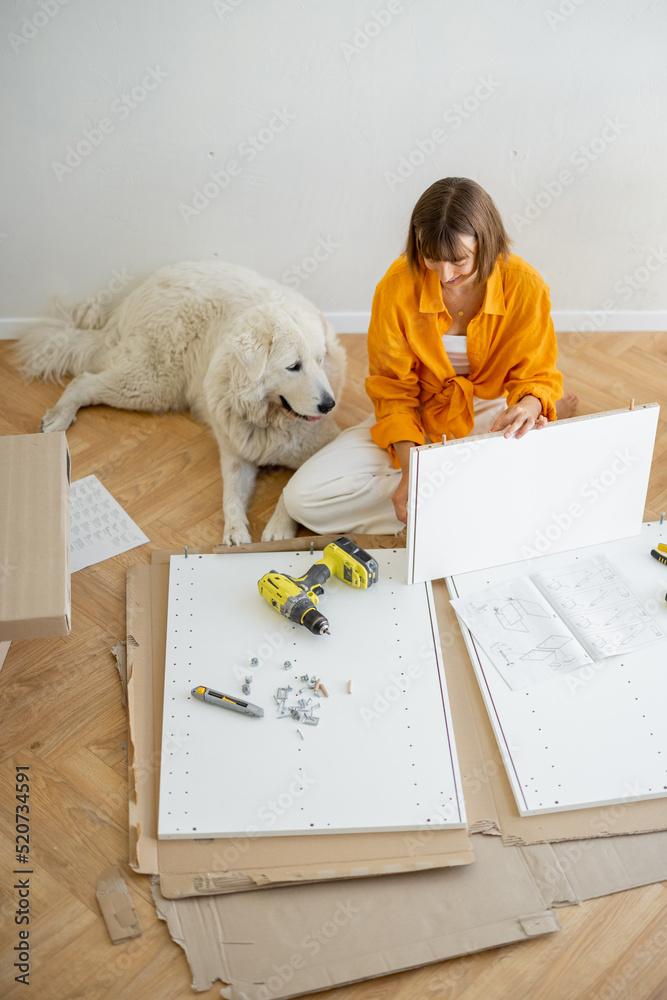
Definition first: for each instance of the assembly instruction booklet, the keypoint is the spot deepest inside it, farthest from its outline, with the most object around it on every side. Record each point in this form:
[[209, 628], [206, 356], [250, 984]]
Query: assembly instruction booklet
[[534, 628]]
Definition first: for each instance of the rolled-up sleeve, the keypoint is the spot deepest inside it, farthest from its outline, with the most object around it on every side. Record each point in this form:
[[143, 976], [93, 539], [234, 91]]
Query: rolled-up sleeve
[[393, 384]]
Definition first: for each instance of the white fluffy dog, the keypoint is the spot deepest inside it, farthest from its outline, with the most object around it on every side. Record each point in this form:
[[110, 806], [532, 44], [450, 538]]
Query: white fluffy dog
[[253, 359]]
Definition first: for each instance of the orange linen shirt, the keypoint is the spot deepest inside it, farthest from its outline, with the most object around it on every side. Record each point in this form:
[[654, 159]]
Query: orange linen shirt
[[512, 351]]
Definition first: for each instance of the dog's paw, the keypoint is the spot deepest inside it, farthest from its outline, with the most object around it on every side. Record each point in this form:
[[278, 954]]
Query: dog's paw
[[54, 421], [279, 527], [236, 535]]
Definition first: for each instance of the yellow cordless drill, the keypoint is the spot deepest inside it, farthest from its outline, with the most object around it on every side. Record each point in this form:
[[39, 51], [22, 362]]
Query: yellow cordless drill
[[296, 598]]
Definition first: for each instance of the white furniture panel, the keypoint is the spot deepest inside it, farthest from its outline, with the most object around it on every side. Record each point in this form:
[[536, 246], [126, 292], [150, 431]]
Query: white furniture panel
[[594, 736], [487, 500], [381, 758]]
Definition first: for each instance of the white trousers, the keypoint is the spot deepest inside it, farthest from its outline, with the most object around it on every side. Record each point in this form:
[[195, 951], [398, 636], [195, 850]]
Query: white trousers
[[348, 484]]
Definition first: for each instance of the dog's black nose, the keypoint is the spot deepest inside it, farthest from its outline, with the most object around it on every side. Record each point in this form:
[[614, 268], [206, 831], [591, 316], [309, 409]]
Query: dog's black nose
[[327, 403]]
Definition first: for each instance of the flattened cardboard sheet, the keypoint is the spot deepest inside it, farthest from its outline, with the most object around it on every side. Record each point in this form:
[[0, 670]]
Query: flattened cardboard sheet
[[305, 938], [231, 865], [300, 939]]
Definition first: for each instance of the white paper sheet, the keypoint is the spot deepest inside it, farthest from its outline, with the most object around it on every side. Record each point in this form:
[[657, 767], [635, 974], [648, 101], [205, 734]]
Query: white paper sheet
[[600, 607], [99, 527], [524, 637], [533, 628]]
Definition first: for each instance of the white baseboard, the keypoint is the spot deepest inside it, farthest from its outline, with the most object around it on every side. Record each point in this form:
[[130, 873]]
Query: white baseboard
[[565, 321], [614, 321], [10, 327]]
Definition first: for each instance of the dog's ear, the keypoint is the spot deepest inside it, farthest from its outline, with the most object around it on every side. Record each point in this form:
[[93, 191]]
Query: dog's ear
[[253, 343]]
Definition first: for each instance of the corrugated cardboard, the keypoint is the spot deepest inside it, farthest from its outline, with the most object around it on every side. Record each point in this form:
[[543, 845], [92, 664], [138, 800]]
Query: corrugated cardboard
[[224, 864], [282, 942], [300, 939], [34, 536], [116, 906]]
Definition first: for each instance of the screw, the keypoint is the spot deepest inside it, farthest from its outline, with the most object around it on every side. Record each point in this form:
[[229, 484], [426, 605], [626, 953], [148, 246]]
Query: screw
[[254, 662], [287, 664]]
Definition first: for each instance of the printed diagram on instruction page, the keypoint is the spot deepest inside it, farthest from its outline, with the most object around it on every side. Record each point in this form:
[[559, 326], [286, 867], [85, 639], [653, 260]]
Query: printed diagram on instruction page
[[533, 628]]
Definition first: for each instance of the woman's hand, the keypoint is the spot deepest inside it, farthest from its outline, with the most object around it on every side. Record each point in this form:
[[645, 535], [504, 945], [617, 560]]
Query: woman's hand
[[400, 496], [400, 500], [517, 420]]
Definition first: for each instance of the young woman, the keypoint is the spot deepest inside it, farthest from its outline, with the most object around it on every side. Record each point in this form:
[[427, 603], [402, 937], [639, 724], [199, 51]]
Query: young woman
[[460, 341]]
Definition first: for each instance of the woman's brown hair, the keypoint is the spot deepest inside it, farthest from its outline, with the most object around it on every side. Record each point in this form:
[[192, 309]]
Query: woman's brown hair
[[449, 209]]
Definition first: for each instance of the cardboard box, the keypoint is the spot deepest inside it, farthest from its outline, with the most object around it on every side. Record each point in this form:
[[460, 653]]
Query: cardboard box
[[34, 536]]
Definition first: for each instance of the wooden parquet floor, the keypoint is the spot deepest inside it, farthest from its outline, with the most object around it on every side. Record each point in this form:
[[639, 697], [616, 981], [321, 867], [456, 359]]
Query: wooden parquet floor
[[61, 713]]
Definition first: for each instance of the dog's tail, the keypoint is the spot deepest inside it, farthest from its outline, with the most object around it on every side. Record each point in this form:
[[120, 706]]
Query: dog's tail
[[68, 343]]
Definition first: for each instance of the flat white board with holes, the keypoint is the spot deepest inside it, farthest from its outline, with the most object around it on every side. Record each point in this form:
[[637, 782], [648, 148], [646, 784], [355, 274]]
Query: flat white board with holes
[[381, 757], [488, 500], [595, 736]]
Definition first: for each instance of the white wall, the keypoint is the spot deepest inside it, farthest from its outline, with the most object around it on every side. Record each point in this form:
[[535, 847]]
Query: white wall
[[337, 97]]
